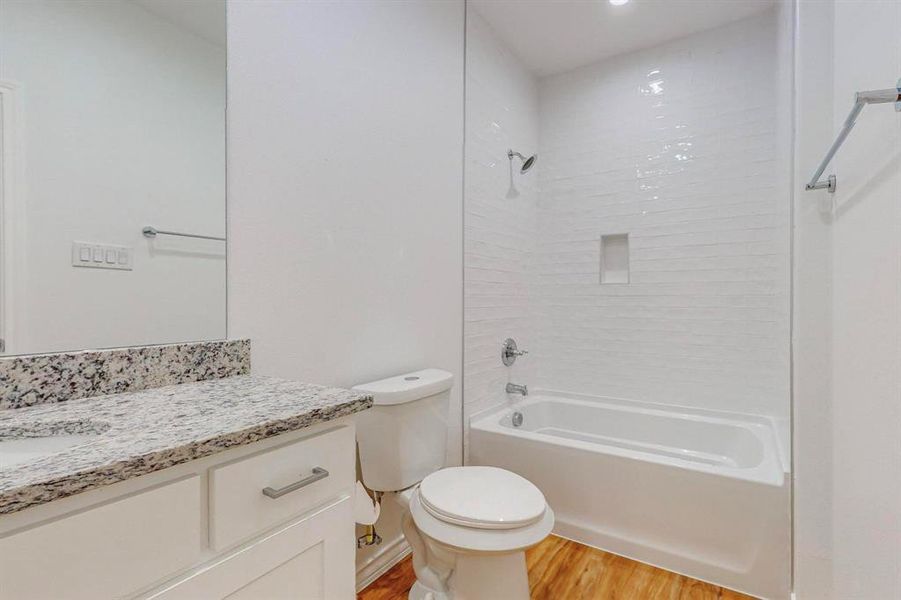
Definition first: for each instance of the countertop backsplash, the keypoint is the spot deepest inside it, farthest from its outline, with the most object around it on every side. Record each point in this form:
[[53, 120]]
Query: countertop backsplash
[[30, 380]]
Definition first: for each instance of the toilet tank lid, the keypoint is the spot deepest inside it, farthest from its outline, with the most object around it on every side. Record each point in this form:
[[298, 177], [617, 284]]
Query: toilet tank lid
[[407, 387]]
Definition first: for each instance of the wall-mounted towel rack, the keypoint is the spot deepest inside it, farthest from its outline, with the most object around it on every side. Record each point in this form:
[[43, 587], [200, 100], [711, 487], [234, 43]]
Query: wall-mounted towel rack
[[861, 99], [153, 232]]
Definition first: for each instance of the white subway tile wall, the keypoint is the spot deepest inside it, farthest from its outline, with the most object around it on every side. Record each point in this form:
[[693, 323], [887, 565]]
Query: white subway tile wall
[[675, 146], [500, 212]]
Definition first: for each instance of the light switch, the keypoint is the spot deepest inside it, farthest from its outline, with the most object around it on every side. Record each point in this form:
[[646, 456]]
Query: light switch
[[101, 256]]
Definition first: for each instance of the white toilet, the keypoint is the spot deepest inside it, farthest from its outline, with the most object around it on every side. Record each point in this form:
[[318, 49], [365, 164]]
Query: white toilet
[[469, 527]]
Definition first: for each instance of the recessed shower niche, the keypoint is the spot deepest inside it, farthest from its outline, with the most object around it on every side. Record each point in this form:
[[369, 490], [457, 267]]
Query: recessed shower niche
[[615, 258]]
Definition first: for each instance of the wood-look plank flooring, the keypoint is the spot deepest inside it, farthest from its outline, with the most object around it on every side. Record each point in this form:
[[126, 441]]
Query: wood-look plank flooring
[[563, 570]]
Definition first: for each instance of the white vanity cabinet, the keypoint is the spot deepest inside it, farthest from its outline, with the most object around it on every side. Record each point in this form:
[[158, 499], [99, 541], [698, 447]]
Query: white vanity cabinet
[[201, 530], [304, 559]]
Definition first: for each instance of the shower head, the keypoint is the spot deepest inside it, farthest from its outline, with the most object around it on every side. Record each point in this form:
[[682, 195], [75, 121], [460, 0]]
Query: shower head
[[527, 163]]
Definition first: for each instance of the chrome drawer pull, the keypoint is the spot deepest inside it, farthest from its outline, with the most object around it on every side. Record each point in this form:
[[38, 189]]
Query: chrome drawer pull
[[318, 473]]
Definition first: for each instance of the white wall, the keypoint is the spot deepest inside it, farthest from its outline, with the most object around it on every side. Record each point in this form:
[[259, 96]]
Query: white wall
[[676, 145], [500, 225], [848, 454], [345, 192], [866, 350], [812, 319], [122, 125]]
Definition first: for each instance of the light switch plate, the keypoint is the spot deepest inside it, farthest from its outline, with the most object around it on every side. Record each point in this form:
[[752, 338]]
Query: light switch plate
[[102, 256]]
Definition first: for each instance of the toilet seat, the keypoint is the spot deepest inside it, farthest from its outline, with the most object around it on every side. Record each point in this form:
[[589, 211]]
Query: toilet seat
[[470, 539], [482, 498], [481, 509]]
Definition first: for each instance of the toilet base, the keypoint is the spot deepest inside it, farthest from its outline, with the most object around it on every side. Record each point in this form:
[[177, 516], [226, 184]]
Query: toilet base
[[482, 577], [453, 563], [421, 592], [490, 576]]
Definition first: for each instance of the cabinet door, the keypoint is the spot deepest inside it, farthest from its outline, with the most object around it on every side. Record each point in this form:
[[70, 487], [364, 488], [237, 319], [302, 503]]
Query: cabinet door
[[106, 551], [301, 577], [309, 559]]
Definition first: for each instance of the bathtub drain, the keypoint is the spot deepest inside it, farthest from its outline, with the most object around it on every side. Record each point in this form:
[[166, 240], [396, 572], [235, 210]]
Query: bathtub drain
[[517, 419]]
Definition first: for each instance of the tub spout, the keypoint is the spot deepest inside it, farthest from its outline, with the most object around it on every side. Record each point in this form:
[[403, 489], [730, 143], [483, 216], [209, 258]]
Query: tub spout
[[513, 388]]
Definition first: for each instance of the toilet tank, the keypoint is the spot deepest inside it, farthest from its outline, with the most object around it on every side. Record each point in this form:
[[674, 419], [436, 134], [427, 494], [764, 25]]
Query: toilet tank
[[402, 438]]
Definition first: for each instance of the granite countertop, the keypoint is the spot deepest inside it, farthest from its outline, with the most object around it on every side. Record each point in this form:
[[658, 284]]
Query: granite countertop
[[141, 432]]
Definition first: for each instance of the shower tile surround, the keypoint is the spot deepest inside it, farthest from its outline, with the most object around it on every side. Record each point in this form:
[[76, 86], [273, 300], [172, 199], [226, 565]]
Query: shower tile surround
[[46, 378], [502, 114], [676, 146]]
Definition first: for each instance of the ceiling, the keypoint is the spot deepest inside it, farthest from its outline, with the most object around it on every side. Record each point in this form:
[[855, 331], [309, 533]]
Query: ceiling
[[552, 36], [204, 18]]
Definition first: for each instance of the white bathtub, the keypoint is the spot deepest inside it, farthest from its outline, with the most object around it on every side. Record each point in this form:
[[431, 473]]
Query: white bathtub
[[697, 492]]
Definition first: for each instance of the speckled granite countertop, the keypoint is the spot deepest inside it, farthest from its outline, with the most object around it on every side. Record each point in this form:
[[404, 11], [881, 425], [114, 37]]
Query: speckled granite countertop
[[142, 432]]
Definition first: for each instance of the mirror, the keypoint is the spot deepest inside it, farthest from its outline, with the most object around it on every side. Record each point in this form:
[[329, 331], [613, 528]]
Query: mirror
[[113, 122]]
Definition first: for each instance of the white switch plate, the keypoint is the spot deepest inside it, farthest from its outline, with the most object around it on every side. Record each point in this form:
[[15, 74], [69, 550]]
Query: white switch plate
[[102, 256]]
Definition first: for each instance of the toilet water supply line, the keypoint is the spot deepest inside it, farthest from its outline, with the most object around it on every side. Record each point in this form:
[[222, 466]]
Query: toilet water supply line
[[367, 507], [370, 537]]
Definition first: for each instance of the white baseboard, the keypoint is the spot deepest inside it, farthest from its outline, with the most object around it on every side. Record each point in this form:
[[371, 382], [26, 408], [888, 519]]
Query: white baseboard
[[391, 554]]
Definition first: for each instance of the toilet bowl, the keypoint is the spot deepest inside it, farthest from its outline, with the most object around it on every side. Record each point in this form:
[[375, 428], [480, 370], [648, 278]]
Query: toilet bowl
[[469, 528]]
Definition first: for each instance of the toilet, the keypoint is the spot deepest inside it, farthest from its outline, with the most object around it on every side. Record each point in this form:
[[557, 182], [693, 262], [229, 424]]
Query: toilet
[[468, 527]]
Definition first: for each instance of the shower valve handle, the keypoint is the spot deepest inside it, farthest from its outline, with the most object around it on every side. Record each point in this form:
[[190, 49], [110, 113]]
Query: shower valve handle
[[510, 351]]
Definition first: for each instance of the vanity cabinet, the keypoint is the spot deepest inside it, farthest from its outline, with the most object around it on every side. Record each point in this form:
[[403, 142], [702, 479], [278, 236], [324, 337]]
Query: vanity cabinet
[[203, 529], [303, 559]]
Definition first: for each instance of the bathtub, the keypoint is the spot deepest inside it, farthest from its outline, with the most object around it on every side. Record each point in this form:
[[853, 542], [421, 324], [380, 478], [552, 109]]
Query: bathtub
[[697, 492]]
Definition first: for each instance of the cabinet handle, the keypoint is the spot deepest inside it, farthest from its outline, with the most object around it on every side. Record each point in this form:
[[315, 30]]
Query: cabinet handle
[[318, 473]]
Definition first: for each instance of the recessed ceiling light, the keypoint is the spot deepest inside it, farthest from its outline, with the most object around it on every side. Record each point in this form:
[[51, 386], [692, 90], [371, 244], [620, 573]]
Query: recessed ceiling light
[[618, 2]]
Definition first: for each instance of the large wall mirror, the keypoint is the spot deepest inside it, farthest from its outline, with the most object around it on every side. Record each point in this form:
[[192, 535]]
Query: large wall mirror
[[113, 128]]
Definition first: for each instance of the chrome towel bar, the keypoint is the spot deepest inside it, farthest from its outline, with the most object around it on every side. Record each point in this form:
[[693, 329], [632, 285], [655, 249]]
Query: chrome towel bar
[[153, 232], [861, 99]]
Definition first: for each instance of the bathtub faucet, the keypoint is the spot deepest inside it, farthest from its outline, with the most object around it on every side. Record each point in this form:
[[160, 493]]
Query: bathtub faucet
[[513, 388]]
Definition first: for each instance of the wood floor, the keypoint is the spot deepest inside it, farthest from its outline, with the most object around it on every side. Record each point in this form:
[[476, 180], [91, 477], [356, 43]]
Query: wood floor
[[563, 570]]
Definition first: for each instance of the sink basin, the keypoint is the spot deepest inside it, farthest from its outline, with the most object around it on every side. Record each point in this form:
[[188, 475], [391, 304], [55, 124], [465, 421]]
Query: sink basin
[[25, 443]]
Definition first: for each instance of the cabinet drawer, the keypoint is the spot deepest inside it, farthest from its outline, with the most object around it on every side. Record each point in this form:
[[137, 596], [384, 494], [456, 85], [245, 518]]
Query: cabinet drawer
[[108, 551], [295, 477], [310, 559]]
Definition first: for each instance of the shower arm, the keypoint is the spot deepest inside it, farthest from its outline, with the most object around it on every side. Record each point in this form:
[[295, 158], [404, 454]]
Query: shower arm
[[861, 99]]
